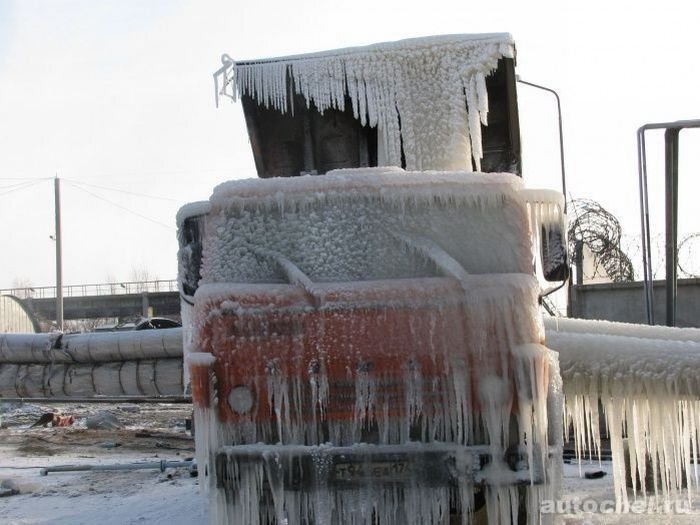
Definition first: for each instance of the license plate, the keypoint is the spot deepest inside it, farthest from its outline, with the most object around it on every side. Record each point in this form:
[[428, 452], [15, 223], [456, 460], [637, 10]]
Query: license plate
[[378, 470]]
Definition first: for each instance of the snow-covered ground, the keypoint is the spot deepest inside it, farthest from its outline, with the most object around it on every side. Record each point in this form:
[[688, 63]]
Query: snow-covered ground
[[592, 501], [150, 433], [156, 432], [106, 498]]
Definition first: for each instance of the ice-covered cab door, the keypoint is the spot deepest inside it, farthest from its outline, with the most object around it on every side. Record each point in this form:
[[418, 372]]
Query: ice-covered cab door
[[190, 231]]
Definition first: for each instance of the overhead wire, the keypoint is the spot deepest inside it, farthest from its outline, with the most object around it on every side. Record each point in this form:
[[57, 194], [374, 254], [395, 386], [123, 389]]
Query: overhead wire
[[116, 205], [25, 178], [21, 186], [142, 173], [127, 192]]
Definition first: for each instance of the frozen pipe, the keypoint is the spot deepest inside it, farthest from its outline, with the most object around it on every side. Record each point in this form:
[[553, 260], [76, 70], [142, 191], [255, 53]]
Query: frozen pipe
[[161, 465], [100, 399], [30, 348], [122, 346], [148, 378], [646, 379], [91, 347], [631, 366], [586, 326]]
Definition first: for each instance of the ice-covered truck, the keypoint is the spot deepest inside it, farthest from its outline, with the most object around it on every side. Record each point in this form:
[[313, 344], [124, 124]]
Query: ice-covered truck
[[365, 345]]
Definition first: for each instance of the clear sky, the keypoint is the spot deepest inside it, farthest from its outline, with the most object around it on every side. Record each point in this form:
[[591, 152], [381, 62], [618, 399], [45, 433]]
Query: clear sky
[[116, 97]]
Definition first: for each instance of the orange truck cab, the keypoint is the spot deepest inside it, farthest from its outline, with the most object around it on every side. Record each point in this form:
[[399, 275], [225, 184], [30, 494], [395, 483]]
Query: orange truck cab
[[365, 346]]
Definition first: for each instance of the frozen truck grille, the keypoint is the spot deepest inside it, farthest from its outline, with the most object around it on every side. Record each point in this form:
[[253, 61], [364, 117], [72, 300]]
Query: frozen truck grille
[[369, 363]]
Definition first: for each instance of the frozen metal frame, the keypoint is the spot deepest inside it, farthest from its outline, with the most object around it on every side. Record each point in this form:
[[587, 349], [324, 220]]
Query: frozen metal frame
[[671, 138]]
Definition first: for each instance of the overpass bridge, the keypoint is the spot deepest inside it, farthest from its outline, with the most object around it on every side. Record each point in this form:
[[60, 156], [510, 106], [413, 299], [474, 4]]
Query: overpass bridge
[[95, 301], [611, 301]]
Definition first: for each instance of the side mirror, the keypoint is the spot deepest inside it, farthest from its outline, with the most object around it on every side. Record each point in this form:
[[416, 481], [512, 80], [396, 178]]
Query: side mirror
[[190, 234], [548, 218], [553, 253]]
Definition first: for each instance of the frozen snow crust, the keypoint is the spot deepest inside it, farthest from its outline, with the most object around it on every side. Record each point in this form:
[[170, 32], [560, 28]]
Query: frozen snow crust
[[366, 224], [429, 93], [377, 306]]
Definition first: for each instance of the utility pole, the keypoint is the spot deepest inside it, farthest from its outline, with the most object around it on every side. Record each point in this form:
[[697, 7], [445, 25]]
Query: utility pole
[[59, 262]]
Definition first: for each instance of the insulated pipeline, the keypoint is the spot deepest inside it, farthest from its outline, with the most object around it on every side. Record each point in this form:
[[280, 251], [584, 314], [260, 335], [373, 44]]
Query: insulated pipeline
[[150, 378]]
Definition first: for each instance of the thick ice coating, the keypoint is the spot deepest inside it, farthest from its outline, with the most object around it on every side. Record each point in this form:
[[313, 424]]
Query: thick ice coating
[[369, 307], [365, 224], [547, 217], [428, 94], [647, 382], [190, 227]]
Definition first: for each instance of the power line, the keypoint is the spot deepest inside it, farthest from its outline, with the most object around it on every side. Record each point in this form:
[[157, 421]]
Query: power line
[[25, 183], [24, 178], [12, 186], [21, 186], [124, 208], [124, 174], [107, 188]]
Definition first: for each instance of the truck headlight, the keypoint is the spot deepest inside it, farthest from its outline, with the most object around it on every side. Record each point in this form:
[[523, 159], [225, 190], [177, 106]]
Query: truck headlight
[[240, 399]]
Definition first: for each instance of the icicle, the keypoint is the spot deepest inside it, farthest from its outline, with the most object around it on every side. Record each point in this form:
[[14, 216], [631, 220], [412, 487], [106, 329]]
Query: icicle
[[474, 123], [649, 391], [386, 82], [451, 354], [482, 96]]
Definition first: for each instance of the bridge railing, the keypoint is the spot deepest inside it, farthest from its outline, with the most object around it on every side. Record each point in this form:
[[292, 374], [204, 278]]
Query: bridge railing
[[86, 290]]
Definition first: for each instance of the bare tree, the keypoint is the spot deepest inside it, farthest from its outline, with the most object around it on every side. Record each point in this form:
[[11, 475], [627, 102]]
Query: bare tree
[[86, 325], [141, 274], [24, 287]]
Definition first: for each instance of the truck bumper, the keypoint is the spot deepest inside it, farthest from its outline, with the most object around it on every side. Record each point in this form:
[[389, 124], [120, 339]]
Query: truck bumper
[[298, 467]]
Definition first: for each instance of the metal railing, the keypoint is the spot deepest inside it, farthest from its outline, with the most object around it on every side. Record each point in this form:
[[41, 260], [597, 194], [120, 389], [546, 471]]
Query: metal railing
[[86, 290], [671, 140]]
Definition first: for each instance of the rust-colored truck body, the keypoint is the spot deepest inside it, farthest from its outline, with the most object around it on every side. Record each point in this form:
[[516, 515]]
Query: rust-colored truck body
[[363, 351]]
